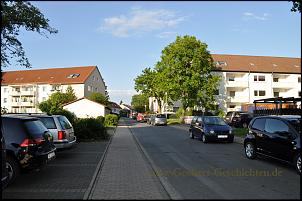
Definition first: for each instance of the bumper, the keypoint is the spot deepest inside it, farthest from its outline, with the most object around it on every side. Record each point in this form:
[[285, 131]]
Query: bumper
[[160, 123], [65, 144], [37, 160]]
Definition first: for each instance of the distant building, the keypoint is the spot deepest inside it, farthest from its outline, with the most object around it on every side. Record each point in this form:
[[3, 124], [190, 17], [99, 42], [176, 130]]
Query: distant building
[[248, 78], [22, 91], [85, 108], [115, 108]]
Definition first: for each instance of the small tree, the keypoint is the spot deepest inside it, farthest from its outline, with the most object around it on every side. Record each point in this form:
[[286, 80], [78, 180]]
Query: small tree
[[70, 95], [99, 98]]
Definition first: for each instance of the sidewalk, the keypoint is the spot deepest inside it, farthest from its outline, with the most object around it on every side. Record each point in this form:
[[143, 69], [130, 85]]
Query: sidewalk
[[125, 173]]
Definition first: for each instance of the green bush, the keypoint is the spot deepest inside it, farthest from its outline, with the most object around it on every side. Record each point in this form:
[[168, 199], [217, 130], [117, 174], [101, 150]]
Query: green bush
[[101, 119], [111, 120], [90, 129]]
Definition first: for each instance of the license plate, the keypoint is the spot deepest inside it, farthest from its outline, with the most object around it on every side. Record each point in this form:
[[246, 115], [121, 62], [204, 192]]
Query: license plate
[[51, 155], [222, 136]]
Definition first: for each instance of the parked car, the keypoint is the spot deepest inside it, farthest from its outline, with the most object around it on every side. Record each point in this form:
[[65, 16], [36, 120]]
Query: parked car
[[238, 119], [60, 128], [147, 118], [210, 128], [29, 145], [158, 119], [4, 174], [140, 117], [275, 136]]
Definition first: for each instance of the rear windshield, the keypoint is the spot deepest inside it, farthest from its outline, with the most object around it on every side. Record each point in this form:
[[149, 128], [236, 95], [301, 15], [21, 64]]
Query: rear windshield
[[296, 124], [213, 121], [64, 122], [161, 116], [48, 122], [35, 128]]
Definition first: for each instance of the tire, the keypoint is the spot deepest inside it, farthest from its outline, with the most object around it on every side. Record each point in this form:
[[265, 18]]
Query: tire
[[13, 169], [191, 135], [204, 138], [250, 150], [297, 163]]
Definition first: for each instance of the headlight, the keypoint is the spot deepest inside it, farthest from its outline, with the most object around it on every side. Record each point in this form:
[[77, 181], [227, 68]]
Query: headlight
[[230, 131], [212, 132]]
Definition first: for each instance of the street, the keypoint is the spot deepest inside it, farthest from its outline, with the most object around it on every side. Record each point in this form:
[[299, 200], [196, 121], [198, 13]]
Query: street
[[214, 170]]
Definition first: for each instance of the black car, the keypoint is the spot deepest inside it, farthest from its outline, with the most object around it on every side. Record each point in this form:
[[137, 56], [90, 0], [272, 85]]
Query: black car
[[4, 174], [238, 119], [275, 136], [29, 145], [212, 128]]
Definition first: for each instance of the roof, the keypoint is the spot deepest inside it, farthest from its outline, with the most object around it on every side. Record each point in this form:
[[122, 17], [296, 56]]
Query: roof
[[82, 99], [50, 75], [114, 105], [268, 64]]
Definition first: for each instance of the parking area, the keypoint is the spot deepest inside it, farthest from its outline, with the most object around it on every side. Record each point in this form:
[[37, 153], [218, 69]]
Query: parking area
[[67, 177]]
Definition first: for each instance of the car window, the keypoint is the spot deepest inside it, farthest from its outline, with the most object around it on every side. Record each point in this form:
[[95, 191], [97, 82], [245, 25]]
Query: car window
[[276, 126], [199, 119], [48, 122], [64, 122], [161, 116], [214, 121], [194, 119], [296, 123], [259, 124], [35, 128], [229, 114]]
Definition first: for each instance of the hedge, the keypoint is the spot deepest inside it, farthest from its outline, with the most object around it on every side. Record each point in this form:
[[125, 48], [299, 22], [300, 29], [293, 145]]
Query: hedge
[[111, 120], [90, 129]]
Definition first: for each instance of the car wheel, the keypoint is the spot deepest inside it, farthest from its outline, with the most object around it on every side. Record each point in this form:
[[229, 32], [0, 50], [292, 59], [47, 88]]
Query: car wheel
[[244, 125], [297, 163], [191, 135], [250, 151], [12, 168], [204, 138]]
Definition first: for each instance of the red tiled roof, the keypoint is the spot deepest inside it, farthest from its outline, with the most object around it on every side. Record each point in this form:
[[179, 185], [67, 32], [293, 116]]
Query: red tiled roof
[[50, 75], [258, 63]]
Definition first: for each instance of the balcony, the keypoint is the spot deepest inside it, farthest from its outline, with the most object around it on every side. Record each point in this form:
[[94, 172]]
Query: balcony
[[237, 84], [23, 104], [22, 93], [237, 99], [283, 85]]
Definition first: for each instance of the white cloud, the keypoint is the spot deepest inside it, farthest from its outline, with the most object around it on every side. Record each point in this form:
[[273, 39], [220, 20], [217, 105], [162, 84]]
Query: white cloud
[[252, 16], [140, 20]]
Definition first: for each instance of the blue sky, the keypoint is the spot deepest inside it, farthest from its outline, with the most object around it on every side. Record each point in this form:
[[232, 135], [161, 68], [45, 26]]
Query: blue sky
[[123, 38]]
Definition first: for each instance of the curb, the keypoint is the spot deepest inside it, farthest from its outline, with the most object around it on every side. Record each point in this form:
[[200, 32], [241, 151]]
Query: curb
[[172, 193], [88, 192]]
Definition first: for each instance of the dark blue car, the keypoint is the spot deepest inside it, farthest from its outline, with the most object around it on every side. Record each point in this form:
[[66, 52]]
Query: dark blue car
[[210, 128]]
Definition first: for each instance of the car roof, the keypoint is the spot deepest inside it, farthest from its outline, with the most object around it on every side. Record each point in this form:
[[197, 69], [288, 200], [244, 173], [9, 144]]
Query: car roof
[[283, 116], [19, 117]]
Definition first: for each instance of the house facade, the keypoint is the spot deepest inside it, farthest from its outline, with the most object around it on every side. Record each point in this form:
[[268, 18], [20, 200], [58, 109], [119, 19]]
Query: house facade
[[85, 108], [22, 91], [248, 78]]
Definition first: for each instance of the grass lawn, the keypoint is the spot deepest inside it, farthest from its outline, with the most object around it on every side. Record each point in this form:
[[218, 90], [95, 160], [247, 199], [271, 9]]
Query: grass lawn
[[240, 132], [173, 121]]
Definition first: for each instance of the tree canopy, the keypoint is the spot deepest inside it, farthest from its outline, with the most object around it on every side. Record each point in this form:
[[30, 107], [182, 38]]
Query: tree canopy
[[99, 98], [296, 6], [140, 102], [16, 15], [183, 73]]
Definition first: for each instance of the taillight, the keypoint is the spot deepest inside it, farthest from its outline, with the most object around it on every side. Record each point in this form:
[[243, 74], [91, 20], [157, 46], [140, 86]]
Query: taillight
[[31, 142], [61, 135]]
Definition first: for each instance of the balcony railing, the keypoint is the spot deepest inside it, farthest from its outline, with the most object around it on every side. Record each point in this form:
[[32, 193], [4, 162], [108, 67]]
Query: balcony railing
[[283, 85], [240, 84], [238, 99]]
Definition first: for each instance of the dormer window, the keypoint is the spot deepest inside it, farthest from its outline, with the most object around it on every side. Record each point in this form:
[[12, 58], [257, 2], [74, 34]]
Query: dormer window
[[221, 63], [275, 65], [252, 64], [73, 75]]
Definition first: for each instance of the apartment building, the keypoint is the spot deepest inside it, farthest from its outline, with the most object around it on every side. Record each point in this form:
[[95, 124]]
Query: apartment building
[[248, 78], [22, 91]]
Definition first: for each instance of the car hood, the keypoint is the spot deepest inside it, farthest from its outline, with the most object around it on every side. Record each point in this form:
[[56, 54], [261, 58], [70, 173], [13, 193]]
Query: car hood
[[217, 128]]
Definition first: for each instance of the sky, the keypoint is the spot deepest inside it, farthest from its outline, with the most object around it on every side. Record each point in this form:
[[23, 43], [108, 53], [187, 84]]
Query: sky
[[124, 37]]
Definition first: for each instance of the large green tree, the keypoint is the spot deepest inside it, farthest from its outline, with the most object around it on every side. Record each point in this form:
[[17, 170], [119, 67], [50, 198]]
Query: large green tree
[[16, 15], [186, 67], [296, 6], [140, 102]]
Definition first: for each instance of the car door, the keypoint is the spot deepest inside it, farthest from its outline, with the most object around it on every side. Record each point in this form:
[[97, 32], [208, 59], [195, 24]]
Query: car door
[[279, 143], [257, 129], [198, 126], [192, 125]]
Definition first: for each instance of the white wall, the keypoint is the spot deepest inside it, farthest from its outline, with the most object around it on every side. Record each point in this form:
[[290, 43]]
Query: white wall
[[85, 108]]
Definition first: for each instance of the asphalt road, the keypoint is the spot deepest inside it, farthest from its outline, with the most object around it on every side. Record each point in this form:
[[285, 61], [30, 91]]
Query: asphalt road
[[214, 170], [67, 177]]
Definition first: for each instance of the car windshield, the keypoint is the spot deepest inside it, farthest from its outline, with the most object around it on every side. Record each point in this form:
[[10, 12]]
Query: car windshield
[[296, 124], [214, 121], [48, 122], [160, 116], [35, 128]]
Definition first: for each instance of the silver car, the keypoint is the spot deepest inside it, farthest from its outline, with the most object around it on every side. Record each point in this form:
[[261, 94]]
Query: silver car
[[158, 119], [60, 128]]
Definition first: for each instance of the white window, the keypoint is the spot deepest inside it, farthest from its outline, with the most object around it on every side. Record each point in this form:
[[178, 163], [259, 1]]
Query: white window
[[299, 79], [232, 93], [259, 93], [89, 88], [5, 100], [231, 78], [44, 88], [4, 90], [96, 89], [260, 78]]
